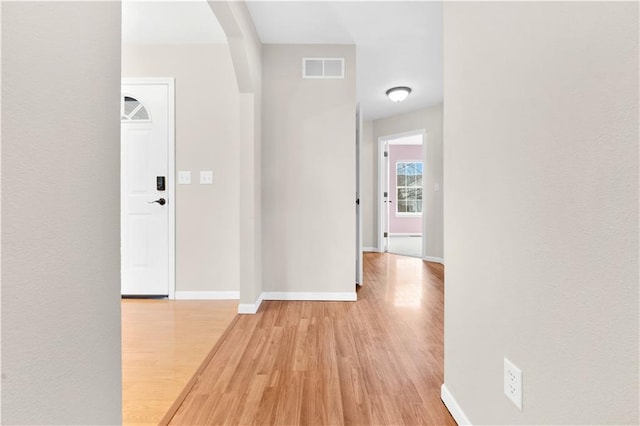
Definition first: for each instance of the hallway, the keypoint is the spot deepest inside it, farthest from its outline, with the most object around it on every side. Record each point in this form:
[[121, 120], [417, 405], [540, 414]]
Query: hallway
[[375, 361]]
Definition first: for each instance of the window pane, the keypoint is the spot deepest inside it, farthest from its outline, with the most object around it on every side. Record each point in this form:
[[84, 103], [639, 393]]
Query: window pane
[[402, 180], [418, 180], [402, 194], [141, 114], [409, 194], [129, 105], [411, 181], [418, 194], [401, 168], [402, 206]]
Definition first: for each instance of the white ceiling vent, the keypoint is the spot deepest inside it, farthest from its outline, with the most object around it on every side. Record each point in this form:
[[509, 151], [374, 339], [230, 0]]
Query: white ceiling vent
[[322, 67]]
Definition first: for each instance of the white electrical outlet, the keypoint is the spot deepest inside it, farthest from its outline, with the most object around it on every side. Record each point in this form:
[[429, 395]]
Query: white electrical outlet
[[513, 383], [184, 178]]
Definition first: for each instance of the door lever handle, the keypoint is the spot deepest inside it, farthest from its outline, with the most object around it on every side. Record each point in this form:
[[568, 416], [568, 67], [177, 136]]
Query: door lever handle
[[160, 201]]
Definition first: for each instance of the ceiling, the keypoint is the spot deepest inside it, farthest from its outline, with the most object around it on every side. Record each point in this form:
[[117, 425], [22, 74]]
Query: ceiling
[[169, 22], [398, 43]]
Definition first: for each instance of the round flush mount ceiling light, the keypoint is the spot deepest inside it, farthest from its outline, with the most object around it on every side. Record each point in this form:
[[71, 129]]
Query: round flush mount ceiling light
[[398, 94]]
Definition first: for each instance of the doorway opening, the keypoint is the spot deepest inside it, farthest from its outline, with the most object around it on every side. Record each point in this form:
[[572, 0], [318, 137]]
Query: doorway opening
[[401, 206]]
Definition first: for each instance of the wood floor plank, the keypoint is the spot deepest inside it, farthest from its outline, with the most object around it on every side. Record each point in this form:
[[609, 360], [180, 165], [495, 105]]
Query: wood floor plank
[[375, 361], [163, 343]]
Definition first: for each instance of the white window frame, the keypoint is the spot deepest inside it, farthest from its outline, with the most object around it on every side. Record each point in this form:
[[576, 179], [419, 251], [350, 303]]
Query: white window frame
[[409, 214]]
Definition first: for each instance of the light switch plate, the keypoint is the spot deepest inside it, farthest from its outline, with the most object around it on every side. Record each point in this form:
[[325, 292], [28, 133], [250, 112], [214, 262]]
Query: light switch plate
[[184, 178], [206, 177], [513, 383]]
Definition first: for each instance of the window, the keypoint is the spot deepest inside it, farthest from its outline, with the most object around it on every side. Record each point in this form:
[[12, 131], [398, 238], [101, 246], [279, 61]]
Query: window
[[132, 109], [409, 187]]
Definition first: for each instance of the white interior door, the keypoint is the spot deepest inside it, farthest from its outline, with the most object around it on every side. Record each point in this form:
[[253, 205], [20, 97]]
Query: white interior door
[[145, 201], [386, 198], [358, 210]]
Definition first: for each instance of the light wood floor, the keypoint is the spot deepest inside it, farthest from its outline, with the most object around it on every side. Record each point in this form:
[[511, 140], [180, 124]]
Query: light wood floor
[[163, 344], [378, 361]]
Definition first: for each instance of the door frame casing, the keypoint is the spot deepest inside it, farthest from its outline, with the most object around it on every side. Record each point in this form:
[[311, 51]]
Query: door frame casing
[[383, 183], [359, 258], [171, 166]]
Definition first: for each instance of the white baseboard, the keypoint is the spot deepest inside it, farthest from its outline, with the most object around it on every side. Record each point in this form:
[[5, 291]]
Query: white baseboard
[[434, 259], [250, 308], [373, 249], [207, 295], [404, 234], [453, 407], [294, 295]]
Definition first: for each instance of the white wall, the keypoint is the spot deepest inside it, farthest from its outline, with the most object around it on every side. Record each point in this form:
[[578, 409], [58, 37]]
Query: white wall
[[60, 213], [429, 119], [541, 209], [308, 160], [207, 138]]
